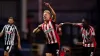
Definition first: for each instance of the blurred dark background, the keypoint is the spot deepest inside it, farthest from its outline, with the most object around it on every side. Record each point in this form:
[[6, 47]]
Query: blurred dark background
[[28, 15]]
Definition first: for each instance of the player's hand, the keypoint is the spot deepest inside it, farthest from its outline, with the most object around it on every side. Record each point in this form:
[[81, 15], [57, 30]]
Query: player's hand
[[47, 4], [79, 43], [19, 47], [61, 24]]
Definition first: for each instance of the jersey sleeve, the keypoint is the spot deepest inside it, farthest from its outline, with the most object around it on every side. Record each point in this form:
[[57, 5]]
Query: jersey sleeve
[[40, 28], [92, 31], [3, 29], [58, 28], [16, 30]]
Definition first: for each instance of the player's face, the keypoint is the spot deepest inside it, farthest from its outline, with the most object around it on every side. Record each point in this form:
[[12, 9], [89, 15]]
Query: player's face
[[46, 16], [10, 21], [85, 24]]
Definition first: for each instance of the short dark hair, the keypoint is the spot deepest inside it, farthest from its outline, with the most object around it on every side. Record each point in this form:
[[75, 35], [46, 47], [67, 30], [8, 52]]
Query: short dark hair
[[86, 20], [10, 18]]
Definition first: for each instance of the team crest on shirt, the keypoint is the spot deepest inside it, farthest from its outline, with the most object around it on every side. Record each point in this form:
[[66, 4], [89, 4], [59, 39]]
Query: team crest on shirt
[[86, 34], [8, 32], [49, 30]]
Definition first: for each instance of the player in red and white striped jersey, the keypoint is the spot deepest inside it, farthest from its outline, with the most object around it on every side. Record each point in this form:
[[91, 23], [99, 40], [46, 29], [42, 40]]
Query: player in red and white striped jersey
[[88, 36], [50, 30]]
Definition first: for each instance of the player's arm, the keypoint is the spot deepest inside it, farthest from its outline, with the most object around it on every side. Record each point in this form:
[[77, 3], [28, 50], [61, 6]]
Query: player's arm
[[18, 38], [75, 24], [1, 33], [36, 30], [52, 11], [61, 24], [19, 42], [89, 41], [59, 30]]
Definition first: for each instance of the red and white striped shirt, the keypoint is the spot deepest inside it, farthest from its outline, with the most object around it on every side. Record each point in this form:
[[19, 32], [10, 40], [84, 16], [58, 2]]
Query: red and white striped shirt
[[51, 32], [86, 35]]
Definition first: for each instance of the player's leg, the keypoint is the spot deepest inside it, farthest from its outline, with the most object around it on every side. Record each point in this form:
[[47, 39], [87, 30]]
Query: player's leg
[[49, 54], [91, 51], [6, 53], [85, 51], [65, 51], [48, 50], [55, 49], [56, 53], [6, 48]]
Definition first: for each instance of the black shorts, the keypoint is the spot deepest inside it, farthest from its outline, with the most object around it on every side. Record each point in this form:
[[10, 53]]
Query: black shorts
[[12, 50], [8, 48], [52, 48], [88, 51]]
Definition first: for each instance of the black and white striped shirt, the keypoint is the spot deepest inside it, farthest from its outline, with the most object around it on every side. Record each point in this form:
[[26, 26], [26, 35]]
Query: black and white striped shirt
[[9, 33]]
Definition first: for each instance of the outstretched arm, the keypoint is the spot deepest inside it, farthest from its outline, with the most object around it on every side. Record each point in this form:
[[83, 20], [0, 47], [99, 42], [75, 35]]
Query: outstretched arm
[[65, 23], [36, 30], [75, 24], [52, 11]]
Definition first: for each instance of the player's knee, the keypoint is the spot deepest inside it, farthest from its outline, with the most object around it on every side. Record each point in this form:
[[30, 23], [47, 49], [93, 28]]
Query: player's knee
[[49, 54], [6, 53]]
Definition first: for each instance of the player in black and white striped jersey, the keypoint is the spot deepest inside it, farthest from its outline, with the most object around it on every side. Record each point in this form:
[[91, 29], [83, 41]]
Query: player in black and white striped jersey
[[10, 31]]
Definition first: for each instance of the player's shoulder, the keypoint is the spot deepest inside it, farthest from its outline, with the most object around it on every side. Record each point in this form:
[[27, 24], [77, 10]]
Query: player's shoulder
[[41, 25], [91, 27], [6, 25], [52, 21], [14, 26]]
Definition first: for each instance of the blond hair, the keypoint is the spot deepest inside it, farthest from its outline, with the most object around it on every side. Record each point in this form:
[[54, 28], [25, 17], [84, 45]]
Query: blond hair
[[46, 11]]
